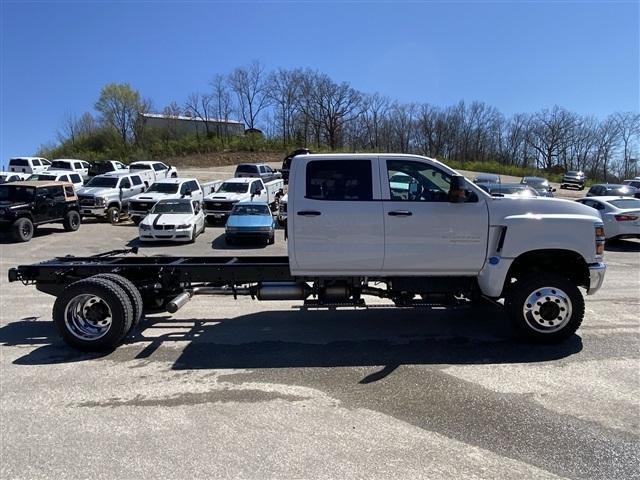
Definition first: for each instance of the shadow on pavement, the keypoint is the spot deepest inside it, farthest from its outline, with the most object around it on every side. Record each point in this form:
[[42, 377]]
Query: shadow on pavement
[[219, 243], [622, 246], [319, 338]]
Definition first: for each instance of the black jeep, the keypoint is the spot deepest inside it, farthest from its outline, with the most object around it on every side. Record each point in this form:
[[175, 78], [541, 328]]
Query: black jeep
[[25, 205]]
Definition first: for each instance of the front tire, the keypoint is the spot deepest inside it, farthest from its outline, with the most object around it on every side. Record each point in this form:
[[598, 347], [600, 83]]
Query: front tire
[[22, 230], [71, 221], [545, 307], [113, 215], [93, 314]]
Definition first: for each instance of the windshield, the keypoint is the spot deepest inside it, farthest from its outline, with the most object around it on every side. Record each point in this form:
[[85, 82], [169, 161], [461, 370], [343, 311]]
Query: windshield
[[139, 166], [574, 173], [233, 188], [102, 182], [620, 190], [172, 207], [12, 193], [505, 189], [250, 210], [626, 203], [61, 165], [163, 188], [537, 182], [40, 177]]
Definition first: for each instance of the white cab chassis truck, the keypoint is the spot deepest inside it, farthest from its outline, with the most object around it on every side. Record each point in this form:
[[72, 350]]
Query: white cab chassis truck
[[354, 232]]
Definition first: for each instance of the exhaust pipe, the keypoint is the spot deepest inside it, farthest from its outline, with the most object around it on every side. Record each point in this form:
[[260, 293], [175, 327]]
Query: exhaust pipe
[[178, 302]]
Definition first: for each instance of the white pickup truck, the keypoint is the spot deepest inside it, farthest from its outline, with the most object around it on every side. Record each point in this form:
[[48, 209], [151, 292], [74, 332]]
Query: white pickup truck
[[168, 188], [352, 234], [218, 205], [152, 171]]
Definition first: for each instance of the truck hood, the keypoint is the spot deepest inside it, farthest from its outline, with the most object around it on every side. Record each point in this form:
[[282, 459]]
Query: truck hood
[[229, 197], [155, 196], [168, 219], [250, 221], [98, 191], [503, 207]]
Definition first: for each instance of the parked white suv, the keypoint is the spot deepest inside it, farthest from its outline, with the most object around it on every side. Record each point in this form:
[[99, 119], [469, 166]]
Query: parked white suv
[[28, 164], [78, 166]]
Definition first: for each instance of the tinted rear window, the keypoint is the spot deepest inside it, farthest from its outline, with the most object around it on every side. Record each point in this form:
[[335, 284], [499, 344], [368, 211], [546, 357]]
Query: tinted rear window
[[61, 165], [626, 203], [140, 166], [19, 162], [339, 180], [246, 169]]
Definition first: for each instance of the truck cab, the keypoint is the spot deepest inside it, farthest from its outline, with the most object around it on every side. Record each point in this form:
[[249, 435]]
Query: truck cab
[[218, 205], [107, 195], [168, 188], [257, 170], [28, 164]]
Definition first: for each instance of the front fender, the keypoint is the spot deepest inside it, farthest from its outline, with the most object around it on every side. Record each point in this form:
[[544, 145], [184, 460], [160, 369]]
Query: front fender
[[550, 232]]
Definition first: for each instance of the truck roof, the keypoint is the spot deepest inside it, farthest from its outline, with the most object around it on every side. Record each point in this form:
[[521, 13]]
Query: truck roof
[[364, 156], [146, 162], [116, 174], [175, 180], [241, 180], [37, 184], [27, 158]]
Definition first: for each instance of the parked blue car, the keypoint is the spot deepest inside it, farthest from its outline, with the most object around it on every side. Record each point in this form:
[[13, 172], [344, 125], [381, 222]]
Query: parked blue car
[[250, 221]]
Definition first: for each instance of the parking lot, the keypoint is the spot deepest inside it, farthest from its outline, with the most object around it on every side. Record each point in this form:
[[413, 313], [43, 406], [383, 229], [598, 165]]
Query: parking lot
[[228, 389]]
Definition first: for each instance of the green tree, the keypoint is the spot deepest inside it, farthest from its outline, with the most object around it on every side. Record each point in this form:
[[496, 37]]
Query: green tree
[[119, 105]]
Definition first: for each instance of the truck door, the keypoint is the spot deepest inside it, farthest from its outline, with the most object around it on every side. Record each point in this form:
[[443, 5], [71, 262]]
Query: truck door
[[424, 233], [336, 226]]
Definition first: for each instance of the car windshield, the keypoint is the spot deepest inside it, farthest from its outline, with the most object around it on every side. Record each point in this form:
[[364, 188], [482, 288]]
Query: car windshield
[[506, 189], [11, 193], [140, 166], [626, 203], [536, 182], [486, 178], [232, 187], [61, 165], [250, 210], [163, 188], [401, 178], [573, 173], [172, 207], [102, 182], [632, 183], [40, 177]]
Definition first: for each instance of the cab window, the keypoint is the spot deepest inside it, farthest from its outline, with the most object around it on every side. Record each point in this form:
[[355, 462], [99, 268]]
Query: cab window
[[339, 180], [136, 180], [77, 165], [68, 191], [417, 182], [159, 166], [125, 183], [36, 163], [75, 178]]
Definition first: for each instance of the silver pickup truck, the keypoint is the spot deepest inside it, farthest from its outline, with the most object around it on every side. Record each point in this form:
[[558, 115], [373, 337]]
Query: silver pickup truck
[[107, 196]]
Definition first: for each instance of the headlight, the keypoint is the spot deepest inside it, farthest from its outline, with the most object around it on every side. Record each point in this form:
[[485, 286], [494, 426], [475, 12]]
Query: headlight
[[144, 226], [99, 201], [182, 227]]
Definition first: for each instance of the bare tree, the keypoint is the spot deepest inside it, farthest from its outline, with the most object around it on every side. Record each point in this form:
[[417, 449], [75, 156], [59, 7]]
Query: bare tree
[[221, 103], [284, 88], [251, 89], [629, 129], [549, 134], [199, 106]]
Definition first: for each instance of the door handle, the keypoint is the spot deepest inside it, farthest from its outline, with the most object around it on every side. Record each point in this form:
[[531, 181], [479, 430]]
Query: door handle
[[400, 213], [309, 213]]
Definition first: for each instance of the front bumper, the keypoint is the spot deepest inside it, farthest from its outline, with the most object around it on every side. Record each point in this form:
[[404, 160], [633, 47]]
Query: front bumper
[[250, 235], [93, 211], [216, 214], [596, 276], [183, 235]]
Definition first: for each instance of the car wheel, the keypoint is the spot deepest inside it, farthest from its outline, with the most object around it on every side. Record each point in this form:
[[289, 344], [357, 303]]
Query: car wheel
[[22, 230], [545, 307], [71, 221], [113, 215], [194, 234], [132, 292]]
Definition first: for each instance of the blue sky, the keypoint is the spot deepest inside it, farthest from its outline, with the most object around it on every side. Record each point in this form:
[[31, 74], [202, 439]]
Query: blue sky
[[516, 56]]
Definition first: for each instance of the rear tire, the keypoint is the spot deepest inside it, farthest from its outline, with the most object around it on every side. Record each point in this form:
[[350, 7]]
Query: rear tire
[[71, 221], [545, 307], [93, 314], [132, 292], [113, 215], [22, 230]]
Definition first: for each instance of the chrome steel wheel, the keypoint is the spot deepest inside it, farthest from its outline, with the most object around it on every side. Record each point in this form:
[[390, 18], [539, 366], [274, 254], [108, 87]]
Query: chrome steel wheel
[[88, 317], [547, 309]]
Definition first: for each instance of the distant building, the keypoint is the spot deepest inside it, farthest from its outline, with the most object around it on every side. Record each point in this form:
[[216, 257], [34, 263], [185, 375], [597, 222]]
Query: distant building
[[183, 125]]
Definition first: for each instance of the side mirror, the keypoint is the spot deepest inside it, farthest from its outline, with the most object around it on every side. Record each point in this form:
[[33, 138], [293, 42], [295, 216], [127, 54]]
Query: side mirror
[[188, 193], [457, 189]]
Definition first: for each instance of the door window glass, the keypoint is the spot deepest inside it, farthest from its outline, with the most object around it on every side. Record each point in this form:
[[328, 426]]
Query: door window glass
[[77, 165], [417, 182], [36, 163], [158, 167], [349, 180], [125, 183], [75, 178], [136, 180]]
